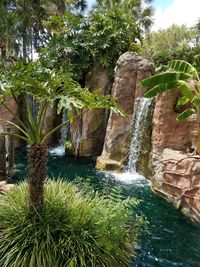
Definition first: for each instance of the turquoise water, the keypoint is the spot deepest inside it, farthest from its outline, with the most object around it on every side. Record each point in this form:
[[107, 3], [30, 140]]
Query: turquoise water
[[171, 239]]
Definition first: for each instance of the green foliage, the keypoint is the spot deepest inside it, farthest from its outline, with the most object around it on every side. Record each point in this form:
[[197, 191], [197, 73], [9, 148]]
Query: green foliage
[[46, 86], [176, 42], [74, 229], [104, 187], [183, 76], [23, 30], [100, 38], [141, 12]]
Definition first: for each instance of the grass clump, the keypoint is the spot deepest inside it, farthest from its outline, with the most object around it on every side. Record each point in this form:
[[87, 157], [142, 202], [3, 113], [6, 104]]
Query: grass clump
[[74, 229]]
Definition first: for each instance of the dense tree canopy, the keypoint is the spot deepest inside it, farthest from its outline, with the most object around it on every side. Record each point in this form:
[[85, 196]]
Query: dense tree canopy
[[23, 30], [110, 29], [176, 42], [141, 14]]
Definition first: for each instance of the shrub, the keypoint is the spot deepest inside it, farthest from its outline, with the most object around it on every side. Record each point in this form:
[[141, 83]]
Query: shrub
[[74, 229]]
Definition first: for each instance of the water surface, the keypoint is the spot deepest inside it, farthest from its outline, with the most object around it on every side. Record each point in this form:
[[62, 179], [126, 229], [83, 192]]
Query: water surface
[[171, 239]]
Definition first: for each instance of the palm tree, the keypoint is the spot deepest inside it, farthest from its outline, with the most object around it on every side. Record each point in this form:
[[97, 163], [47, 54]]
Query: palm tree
[[46, 86], [22, 22], [8, 38], [141, 14], [185, 77]]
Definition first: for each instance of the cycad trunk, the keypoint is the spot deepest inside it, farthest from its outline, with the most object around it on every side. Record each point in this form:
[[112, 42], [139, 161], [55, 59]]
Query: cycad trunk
[[37, 157], [2, 159]]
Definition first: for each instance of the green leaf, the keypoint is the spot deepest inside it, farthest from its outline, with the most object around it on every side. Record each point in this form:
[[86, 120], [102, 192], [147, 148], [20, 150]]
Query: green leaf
[[185, 114], [195, 101], [163, 78], [182, 101], [185, 90], [197, 62], [160, 88], [182, 66]]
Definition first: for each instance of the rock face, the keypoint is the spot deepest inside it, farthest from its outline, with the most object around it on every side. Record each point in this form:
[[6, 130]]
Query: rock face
[[52, 119], [180, 181], [129, 71], [176, 171], [88, 132], [7, 116]]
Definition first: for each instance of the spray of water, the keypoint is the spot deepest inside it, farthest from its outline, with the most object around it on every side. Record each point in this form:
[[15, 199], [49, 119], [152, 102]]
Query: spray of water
[[139, 130], [130, 176]]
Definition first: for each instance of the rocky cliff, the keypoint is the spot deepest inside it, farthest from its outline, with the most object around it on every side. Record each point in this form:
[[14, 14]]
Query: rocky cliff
[[176, 169], [7, 116], [88, 132], [129, 71]]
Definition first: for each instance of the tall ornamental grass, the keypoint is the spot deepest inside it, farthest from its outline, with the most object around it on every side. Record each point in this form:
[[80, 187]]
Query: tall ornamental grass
[[74, 229]]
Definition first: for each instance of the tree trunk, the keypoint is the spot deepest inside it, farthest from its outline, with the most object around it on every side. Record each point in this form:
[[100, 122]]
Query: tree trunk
[[9, 153], [37, 157], [2, 158]]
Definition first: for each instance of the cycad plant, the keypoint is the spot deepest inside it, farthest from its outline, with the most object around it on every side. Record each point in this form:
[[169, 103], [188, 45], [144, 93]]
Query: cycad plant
[[184, 77], [46, 86]]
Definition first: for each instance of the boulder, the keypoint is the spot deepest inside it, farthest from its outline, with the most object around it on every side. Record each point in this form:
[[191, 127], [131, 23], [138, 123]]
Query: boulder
[[129, 71]]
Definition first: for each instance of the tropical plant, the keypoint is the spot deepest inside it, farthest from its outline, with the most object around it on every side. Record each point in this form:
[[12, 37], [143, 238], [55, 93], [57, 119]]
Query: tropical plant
[[46, 86], [79, 43], [185, 77], [22, 30], [141, 14], [74, 229], [175, 42]]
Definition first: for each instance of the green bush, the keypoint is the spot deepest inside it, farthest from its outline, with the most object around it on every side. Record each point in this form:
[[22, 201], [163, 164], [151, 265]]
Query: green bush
[[74, 229]]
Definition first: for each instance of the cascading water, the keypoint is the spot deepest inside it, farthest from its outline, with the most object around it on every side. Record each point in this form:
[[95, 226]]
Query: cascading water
[[33, 105], [77, 136], [64, 132], [65, 129], [140, 124]]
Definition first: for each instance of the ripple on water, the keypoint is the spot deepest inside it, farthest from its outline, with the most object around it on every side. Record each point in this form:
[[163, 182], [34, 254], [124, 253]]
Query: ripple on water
[[171, 239]]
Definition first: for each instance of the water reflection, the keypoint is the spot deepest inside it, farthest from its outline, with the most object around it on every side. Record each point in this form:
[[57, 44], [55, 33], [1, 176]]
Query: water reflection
[[171, 239]]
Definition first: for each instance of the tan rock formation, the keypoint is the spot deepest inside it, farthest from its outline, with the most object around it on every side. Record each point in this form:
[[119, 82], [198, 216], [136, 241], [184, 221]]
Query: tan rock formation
[[7, 116], [176, 171], [52, 119], [180, 181], [129, 71], [88, 132]]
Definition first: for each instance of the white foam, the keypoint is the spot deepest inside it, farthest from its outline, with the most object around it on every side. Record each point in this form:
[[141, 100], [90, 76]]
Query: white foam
[[57, 151], [128, 178]]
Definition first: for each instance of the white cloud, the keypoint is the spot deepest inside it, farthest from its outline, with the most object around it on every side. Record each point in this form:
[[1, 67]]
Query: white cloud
[[179, 12]]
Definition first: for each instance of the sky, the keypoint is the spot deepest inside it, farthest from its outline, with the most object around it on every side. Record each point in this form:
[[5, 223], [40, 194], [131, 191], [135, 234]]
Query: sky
[[168, 12]]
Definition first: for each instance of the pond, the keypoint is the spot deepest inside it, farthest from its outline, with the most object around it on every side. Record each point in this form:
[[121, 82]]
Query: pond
[[171, 239]]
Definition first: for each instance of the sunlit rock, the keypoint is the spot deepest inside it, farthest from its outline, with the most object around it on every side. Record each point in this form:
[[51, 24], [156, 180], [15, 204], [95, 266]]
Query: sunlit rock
[[129, 71]]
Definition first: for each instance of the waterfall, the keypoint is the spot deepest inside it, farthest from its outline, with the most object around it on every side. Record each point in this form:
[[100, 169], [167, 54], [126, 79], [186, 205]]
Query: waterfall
[[34, 106], [77, 137], [140, 129], [64, 132], [140, 124], [65, 129]]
